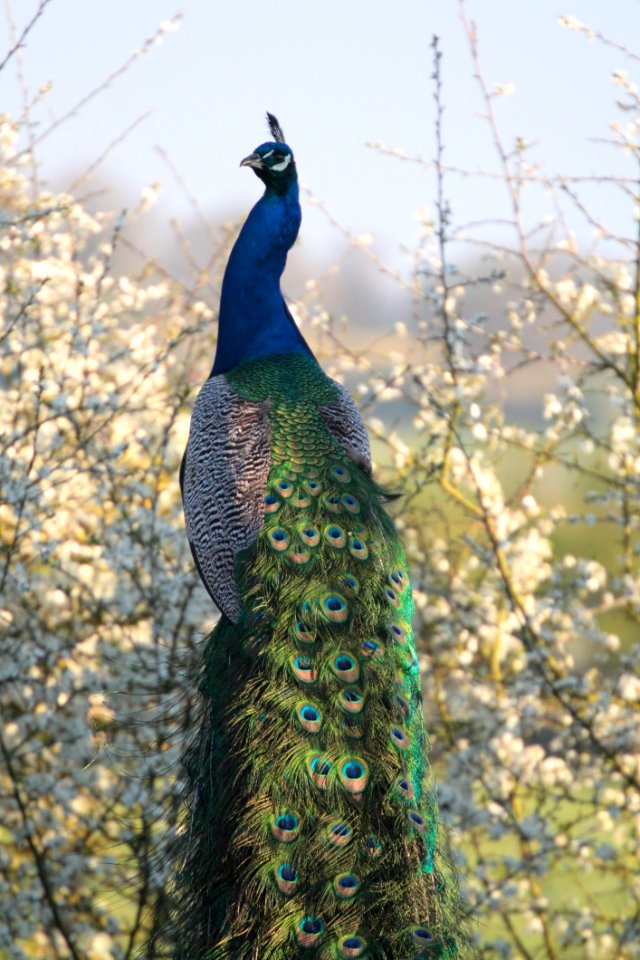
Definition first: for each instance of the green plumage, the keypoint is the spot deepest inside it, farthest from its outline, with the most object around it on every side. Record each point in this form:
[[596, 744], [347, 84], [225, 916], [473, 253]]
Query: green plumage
[[313, 830]]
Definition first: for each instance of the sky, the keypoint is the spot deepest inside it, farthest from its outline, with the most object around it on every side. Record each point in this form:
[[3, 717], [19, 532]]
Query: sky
[[339, 75]]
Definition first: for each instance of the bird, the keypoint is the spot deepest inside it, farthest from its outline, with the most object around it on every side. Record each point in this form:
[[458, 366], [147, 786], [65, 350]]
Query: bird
[[311, 827]]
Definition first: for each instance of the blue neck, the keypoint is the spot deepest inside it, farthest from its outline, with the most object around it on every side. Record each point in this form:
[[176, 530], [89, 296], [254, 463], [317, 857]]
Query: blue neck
[[254, 320]]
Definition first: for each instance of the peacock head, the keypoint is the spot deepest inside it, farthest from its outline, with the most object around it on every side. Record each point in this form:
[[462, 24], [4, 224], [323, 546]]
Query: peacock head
[[273, 161]]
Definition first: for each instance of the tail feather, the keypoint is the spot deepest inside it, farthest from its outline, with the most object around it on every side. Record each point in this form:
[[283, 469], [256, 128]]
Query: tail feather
[[313, 827]]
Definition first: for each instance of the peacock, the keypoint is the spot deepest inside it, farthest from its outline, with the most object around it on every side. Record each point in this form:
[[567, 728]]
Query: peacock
[[312, 825]]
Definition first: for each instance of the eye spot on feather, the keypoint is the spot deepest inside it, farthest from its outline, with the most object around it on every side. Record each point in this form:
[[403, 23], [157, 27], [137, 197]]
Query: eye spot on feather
[[313, 487], [392, 597], [299, 556], [309, 717], [284, 488], [338, 834], [351, 584], [399, 738], [332, 503], [303, 669], [301, 500], [354, 774], [335, 536], [279, 538], [373, 846], [341, 474], [309, 930], [287, 878], [417, 822], [302, 633], [285, 827], [350, 503], [334, 607], [271, 503], [319, 769], [398, 633], [398, 581], [352, 945], [370, 649], [310, 535], [405, 788], [254, 642], [358, 549], [352, 701], [346, 668], [346, 885], [422, 937]]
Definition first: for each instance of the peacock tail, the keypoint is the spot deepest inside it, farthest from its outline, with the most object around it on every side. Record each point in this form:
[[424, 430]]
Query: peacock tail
[[313, 830]]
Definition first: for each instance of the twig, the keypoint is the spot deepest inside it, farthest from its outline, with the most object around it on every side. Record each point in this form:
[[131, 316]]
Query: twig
[[25, 33], [193, 200], [513, 183], [114, 143], [571, 23]]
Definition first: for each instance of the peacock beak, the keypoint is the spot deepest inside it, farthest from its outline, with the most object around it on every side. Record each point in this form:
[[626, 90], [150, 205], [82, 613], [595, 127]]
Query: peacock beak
[[253, 160]]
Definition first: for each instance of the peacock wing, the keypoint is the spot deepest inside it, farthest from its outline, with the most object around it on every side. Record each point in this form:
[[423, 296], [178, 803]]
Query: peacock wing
[[222, 477], [345, 423]]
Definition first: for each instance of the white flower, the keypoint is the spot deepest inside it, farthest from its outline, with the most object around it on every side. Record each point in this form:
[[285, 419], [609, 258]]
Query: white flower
[[363, 240], [530, 505], [565, 290], [629, 688], [552, 406], [99, 947], [571, 23]]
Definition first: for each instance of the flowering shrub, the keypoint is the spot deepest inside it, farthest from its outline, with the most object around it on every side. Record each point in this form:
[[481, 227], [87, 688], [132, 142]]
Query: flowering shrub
[[524, 543], [100, 608]]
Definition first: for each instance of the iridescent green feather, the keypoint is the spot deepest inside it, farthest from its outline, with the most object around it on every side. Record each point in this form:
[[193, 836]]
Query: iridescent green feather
[[314, 832]]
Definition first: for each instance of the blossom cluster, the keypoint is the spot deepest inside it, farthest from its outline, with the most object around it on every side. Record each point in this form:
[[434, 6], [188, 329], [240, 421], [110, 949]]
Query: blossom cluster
[[524, 535], [100, 611]]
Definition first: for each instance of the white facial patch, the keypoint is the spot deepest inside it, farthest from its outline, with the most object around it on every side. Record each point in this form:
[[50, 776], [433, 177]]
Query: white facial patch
[[282, 166], [265, 155]]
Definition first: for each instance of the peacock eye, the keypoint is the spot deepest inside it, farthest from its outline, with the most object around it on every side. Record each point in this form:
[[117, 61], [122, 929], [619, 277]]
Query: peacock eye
[[278, 156]]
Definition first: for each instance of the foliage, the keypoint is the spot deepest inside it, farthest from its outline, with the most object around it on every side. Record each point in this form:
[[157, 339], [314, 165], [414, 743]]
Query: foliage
[[524, 542]]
